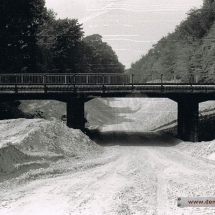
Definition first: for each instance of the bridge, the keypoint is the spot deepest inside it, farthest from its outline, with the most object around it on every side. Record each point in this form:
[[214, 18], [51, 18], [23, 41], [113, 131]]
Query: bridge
[[75, 89]]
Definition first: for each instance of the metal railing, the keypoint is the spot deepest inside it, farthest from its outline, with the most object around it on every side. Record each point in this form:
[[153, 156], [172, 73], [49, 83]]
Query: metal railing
[[76, 78], [91, 79], [99, 83]]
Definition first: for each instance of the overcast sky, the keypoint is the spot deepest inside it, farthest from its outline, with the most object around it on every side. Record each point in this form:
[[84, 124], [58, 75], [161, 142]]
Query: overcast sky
[[131, 27]]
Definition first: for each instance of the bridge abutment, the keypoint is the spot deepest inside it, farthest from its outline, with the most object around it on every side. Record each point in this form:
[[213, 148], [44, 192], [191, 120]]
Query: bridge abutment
[[75, 113], [188, 120]]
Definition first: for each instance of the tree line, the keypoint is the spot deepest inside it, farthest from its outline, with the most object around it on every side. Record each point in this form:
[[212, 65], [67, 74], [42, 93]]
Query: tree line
[[187, 52], [33, 40]]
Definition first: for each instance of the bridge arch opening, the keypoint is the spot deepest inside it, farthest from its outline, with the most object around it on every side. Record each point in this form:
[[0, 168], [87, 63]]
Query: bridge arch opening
[[133, 114], [158, 114], [133, 121], [207, 120]]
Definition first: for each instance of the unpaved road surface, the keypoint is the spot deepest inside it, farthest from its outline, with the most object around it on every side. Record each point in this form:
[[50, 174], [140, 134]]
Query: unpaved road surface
[[136, 175]]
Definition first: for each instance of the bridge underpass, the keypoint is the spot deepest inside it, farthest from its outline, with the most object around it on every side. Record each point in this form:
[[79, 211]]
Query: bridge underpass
[[188, 115], [76, 89]]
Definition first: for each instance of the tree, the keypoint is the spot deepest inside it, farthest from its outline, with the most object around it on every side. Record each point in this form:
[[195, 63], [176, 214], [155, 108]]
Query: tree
[[20, 21], [60, 42], [103, 58], [68, 36], [187, 51]]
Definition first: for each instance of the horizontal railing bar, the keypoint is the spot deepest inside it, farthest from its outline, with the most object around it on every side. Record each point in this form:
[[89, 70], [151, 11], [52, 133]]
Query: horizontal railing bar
[[115, 84], [25, 74]]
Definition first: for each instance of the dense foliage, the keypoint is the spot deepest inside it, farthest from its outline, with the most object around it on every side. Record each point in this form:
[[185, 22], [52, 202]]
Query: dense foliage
[[64, 48], [20, 21], [188, 54], [101, 56], [33, 40]]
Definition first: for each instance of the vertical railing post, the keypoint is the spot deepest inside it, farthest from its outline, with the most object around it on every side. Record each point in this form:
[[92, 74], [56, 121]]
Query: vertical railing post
[[44, 83], [65, 79], [16, 80], [74, 79], [196, 79], [162, 87], [103, 81], [191, 79], [132, 78], [109, 78]]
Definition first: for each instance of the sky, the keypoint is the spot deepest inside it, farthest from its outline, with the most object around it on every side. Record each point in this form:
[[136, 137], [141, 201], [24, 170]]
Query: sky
[[130, 27]]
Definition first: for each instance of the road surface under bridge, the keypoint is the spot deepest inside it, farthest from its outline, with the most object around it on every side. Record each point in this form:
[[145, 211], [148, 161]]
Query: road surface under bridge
[[76, 89]]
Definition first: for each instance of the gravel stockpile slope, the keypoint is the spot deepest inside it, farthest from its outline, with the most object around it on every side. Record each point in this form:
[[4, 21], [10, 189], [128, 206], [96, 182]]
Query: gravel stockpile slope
[[30, 142]]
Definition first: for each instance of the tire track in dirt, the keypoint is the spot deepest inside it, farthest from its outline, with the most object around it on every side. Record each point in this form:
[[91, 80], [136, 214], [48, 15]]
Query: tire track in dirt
[[185, 176]]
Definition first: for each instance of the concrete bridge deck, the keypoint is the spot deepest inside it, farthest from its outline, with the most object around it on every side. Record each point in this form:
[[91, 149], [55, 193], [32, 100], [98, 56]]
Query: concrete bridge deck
[[108, 88]]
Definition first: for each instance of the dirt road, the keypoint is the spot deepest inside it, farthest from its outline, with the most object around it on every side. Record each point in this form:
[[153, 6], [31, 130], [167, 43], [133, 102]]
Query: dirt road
[[137, 174]]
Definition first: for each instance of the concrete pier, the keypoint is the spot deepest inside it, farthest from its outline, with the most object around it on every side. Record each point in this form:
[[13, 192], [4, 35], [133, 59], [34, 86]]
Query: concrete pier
[[188, 120], [75, 113]]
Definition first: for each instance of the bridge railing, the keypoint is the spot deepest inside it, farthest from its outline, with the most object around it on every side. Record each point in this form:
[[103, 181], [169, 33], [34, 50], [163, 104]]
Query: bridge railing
[[167, 78], [76, 78], [89, 78]]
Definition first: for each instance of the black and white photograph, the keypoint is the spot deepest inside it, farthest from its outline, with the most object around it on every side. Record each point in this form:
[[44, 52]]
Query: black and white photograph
[[107, 107]]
